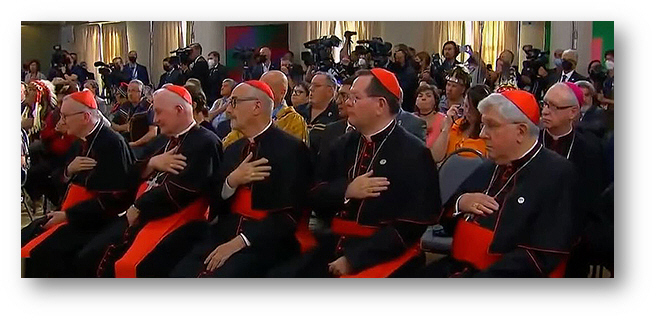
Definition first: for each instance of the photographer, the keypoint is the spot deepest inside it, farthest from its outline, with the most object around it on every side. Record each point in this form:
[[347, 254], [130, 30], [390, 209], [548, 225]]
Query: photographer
[[61, 62], [198, 67], [117, 74], [406, 75], [534, 76]]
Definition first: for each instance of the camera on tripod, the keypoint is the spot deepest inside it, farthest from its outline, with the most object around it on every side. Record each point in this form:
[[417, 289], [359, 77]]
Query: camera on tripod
[[320, 54], [535, 59]]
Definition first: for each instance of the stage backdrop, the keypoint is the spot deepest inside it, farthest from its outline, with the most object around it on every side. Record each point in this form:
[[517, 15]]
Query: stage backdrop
[[274, 36]]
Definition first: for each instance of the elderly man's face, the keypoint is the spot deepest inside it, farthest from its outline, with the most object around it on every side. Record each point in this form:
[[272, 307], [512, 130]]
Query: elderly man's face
[[73, 119], [500, 136], [557, 110], [320, 91], [226, 88], [587, 97], [240, 109], [167, 112], [134, 94]]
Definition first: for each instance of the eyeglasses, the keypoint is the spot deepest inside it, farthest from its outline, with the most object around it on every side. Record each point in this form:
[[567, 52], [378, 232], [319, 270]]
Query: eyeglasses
[[64, 116], [352, 98], [545, 104], [234, 101]]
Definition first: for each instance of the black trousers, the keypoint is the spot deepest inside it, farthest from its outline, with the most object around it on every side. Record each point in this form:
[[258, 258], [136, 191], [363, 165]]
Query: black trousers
[[156, 264], [250, 262], [59, 255]]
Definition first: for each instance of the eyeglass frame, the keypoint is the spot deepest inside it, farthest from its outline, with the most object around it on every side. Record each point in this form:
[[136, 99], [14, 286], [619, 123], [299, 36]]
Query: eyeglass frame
[[233, 101], [63, 116], [550, 107]]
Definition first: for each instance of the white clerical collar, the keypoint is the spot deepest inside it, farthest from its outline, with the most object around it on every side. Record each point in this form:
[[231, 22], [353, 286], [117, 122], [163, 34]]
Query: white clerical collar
[[569, 74], [261, 132], [193, 123], [349, 125], [379, 131], [95, 126], [527, 151], [560, 136]]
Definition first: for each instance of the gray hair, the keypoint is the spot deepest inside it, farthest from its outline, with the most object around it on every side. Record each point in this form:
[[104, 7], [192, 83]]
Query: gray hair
[[583, 84], [138, 82], [508, 111], [232, 82], [332, 82]]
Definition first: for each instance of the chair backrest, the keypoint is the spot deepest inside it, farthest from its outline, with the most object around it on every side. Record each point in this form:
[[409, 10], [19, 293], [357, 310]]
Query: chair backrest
[[455, 170]]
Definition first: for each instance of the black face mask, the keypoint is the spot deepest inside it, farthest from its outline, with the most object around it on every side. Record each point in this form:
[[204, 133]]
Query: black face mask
[[132, 59], [567, 66], [167, 68]]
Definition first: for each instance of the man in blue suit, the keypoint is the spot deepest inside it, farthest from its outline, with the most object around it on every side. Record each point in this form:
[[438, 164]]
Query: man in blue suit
[[134, 70]]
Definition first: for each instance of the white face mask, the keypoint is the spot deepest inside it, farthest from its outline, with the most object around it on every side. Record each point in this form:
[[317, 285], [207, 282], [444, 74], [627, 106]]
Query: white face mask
[[610, 65], [211, 63]]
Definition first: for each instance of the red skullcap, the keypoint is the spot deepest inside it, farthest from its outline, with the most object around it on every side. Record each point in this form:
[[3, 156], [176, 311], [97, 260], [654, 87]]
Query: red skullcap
[[85, 97], [181, 91], [388, 80], [577, 92], [263, 86], [525, 102]]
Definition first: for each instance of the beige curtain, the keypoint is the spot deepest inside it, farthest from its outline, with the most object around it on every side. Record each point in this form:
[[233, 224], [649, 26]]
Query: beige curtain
[[439, 32], [167, 36], [87, 46], [365, 29], [497, 36], [115, 41], [190, 35], [317, 29]]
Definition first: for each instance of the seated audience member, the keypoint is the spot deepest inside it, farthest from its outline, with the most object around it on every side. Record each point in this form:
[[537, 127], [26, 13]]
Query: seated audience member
[[514, 214], [51, 152], [426, 108], [201, 112], [41, 101], [168, 214], [462, 130], [284, 117], [457, 83], [34, 72], [423, 60], [138, 128], [263, 180], [217, 113], [300, 94], [92, 85], [593, 118], [505, 74], [321, 109], [98, 190], [120, 94], [377, 184], [561, 109]]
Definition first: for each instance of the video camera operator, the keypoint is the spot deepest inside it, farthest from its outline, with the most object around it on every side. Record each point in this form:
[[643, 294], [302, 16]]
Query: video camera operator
[[194, 64], [61, 63], [405, 74], [534, 75], [320, 58]]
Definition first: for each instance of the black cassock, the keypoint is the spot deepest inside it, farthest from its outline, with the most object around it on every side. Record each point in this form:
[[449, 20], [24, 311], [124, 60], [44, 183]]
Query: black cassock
[[583, 149], [280, 198], [169, 194], [400, 214], [534, 229], [56, 255]]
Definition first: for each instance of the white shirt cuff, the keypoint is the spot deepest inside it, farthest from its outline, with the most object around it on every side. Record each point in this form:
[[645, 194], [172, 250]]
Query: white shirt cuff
[[248, 243], [227, 190], [457, 209]]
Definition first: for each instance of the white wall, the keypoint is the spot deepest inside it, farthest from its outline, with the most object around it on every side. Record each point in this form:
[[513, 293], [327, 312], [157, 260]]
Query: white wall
[[410, 33], [37, 43], [531, 33]]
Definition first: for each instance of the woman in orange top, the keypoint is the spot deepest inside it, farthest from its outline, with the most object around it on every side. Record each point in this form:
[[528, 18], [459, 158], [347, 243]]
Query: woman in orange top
[[461, 130]]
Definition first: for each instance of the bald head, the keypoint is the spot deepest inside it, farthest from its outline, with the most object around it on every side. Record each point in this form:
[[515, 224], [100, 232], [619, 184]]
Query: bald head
[[278, 83], [562, 95]]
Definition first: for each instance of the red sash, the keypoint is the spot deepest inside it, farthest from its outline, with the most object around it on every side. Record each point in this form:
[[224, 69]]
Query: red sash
[[471, 243], [154, 232], [242, 205], [74, 195], [383, 270]]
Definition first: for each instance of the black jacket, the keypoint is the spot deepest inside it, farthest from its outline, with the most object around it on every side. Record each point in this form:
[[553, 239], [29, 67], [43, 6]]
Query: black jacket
[[215, 78], [201, 71]]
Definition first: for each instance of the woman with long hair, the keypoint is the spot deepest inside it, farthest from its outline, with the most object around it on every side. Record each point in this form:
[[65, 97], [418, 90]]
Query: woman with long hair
[[461, 128]]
